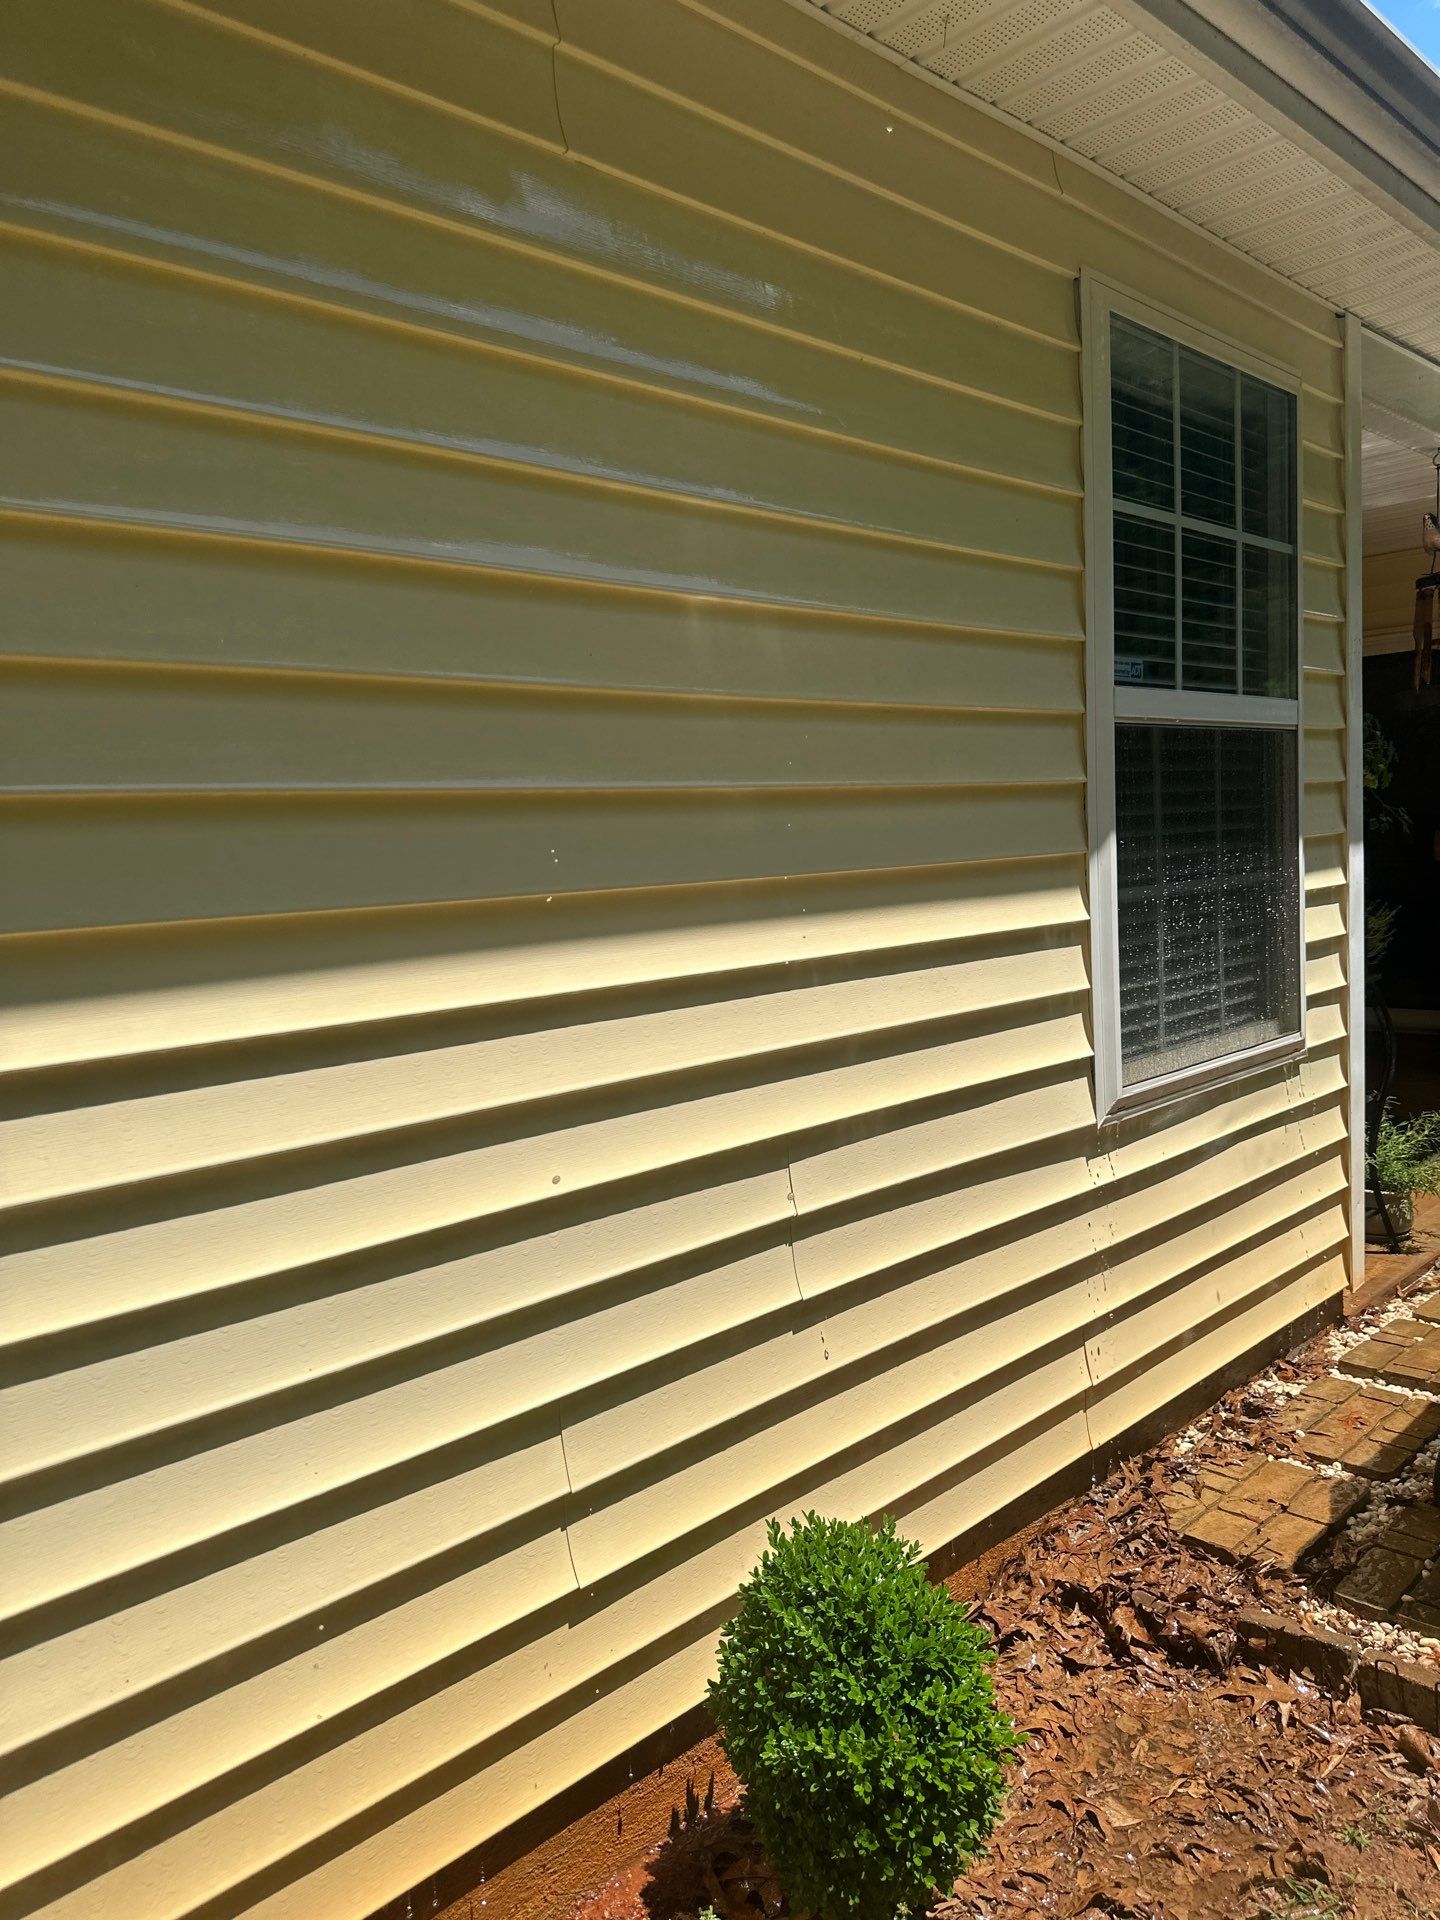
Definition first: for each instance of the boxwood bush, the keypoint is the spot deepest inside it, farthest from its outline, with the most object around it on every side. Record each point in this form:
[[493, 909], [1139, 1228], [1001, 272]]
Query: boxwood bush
[[854, 1702]]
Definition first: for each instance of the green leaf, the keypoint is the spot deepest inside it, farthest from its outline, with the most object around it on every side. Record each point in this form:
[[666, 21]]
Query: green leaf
[[855, 1704]]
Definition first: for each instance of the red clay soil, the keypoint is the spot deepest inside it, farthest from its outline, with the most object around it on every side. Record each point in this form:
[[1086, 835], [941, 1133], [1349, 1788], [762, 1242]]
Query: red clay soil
[[1163, 1778]]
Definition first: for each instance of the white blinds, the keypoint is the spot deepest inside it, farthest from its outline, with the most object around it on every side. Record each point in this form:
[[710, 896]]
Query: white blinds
[[1208, 893], [1203, 460]]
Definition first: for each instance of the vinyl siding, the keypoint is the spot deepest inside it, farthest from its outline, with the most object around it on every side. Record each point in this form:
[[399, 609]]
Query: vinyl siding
[[545, 931]]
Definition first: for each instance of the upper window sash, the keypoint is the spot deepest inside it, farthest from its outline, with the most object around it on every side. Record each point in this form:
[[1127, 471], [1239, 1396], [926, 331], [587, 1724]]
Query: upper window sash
[[1200, 470]]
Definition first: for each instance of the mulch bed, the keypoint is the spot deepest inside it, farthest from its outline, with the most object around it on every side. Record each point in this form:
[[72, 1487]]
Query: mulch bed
[[1164, 1776]]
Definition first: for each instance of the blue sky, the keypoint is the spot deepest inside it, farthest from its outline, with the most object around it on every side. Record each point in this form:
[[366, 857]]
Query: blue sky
[[1418, 20]]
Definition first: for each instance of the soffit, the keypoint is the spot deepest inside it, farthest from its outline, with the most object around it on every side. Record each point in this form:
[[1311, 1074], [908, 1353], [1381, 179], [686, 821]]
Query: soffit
[[1093, 80], [1397, 487]]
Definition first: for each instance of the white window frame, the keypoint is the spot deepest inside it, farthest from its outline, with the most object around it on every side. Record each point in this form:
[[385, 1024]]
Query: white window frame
[[1106, 703]]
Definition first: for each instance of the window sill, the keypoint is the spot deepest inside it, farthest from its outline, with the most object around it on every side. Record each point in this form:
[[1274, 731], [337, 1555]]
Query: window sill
[[1208, 1074]]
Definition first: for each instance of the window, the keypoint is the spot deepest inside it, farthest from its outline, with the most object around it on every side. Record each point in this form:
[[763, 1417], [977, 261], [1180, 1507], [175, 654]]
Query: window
[[1193, 504]]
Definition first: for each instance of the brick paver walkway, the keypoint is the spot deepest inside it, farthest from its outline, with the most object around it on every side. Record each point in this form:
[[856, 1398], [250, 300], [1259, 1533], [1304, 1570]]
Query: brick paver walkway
[[1271, 1511], [1406, 1353], [1390, 1582], [1365, 1427]]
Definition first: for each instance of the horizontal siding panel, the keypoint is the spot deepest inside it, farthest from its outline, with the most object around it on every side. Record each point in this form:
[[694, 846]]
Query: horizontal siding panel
[[79, 453], [156, 989], [1325, 865], [1323, 923], [1324, 534], [767, 187], [104, 1266], [1324, 703], [1129, 1342], [1323, 476], [209, 82], [633, 1704], [1325, 760], [242, 1831], [863, 1166], [439, 60], [77, 863], [911, 1221], [1324, 1025], [188, 1505], [950, 1504], [279, 232], [977, 1289], [215, 341], [572, 1339], [324, 1664], [1322, 1074], [149, 594], [1210, 1180], [597, 245], [352, 1548], [1200, 1351], [705, 56], [1142, 1142], [1191, 1246], [970, 131], [271, 1105], [972, 1420], [1324, 810], [1323, 412], [744, 1460], [1324, 590], [1324, 975], [231, 1725], [191, 731], [1324, 648]]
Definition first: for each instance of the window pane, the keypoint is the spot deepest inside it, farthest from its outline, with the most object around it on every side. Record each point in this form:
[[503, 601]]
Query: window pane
[[1144, 601], [1269, 607], [1267, 460], [1142, 425], [1208, 641], [1207, 439], [1209, 895]]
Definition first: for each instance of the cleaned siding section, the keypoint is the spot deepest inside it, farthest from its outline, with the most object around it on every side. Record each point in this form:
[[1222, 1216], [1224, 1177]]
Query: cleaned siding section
[[546, 935]]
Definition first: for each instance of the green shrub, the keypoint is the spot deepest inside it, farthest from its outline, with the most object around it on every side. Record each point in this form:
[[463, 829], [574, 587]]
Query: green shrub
[[1379, 761], [1407, 1154], [1379, 932], [855, 1704]]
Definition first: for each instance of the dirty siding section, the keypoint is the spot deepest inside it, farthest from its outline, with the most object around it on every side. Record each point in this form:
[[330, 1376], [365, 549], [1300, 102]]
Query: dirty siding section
[[545, 926]]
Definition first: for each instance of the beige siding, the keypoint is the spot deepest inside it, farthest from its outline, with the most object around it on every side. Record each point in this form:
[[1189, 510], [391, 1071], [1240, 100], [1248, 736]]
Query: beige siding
[[544, 927]]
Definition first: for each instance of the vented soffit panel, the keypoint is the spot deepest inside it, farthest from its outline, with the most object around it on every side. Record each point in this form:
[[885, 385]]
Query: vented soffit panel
[[1291, 160]]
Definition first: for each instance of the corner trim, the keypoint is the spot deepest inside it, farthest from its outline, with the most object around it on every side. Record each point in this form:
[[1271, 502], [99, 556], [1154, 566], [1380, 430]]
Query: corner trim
[[1354, 791]]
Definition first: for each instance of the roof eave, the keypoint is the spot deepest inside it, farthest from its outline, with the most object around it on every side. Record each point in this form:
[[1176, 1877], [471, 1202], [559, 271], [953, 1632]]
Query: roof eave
[[1352, 90]]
